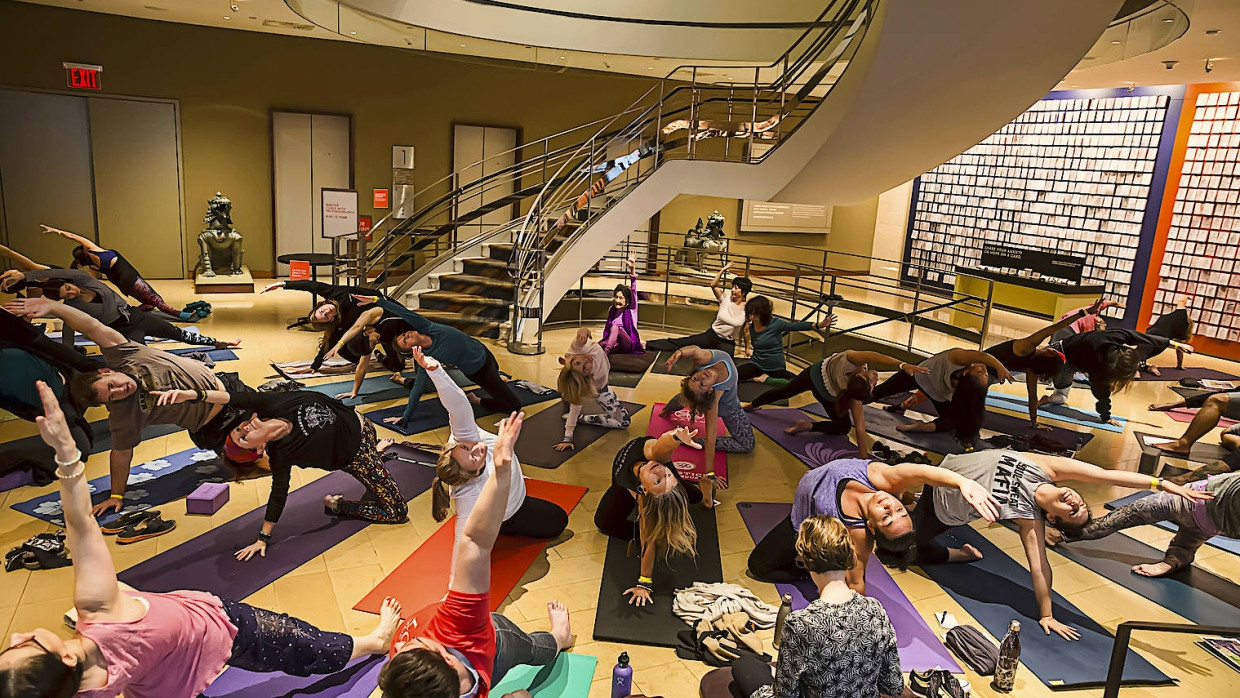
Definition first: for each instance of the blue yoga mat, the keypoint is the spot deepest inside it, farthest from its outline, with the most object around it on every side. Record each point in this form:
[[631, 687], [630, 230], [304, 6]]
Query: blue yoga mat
[[432, 415], [215, 354], [997, 590], [80, 339], [1231, 545], [150, 485], [380, 388], [1063, 413], [305, 531]]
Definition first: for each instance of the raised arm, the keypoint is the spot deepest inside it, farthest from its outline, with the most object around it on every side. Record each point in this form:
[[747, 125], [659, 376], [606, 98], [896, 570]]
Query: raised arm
[[632, 263], [1025, 346], [74, 237], [876, 360], [415, 321], [471, 566], [88, 326], [661, 449], [579, 341], [714, 284], [1060, 468], [904, 476], [697, 355], [460, 412], [95, 589], [1033, 539], [863, 544], [712, 431], [23, 262], [971, 356], [366, 319]]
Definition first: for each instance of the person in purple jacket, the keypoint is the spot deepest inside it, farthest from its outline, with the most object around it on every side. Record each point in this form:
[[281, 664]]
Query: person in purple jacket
[[620, 332]]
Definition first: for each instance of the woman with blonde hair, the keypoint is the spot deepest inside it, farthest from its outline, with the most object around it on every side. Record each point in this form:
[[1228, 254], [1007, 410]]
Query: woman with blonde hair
[[840, 646], [467, 462], [583, 376], [644, 479]]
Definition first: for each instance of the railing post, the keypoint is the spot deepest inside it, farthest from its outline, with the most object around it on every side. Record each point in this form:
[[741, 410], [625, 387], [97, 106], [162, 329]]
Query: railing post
[[796, 290], [753, 118], [693, 114], [830, 310], [658, 125], [912, 318], [1119, 652], [783, 91], [990, 294], [667, 284]]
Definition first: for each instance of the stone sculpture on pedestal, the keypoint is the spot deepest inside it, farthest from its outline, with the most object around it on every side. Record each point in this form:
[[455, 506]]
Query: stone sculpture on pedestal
[[220, 243]]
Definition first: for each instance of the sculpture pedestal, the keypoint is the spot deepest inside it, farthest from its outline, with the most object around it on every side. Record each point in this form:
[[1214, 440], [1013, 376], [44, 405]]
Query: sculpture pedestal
[[225, 283]]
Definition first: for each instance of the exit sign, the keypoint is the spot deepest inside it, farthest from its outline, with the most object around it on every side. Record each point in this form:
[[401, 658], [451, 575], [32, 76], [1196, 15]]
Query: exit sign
[[81, 76]]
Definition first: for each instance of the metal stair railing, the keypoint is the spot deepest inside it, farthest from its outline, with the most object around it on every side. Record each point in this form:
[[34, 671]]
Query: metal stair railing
[[772, 110]]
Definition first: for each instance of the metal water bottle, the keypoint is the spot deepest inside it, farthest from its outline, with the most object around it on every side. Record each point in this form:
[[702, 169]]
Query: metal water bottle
[[1009, 657], [784, 609], [622, 677]]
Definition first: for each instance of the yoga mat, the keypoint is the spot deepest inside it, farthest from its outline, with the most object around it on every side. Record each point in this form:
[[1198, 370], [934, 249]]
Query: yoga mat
[[150, 485], [374, 389], [422, 579], [811, 448], [1201, 452], [1184, 415], [102, 438], [1063, 413], [749, 391], [292, 368], [206, 563], [920, 649], [1004, 423], [880, 422], [215, 354], [682, 367], [1193, 593], [1175, 374], [541, 433], [617, 620], [627, 370], [997, 590], [80, 339], [689, 462], [357, 680], [18, 477], [432, 415], [1231, 545], [569, 677]]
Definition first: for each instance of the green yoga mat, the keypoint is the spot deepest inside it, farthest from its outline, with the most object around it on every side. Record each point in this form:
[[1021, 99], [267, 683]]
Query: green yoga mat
[[569, 677]]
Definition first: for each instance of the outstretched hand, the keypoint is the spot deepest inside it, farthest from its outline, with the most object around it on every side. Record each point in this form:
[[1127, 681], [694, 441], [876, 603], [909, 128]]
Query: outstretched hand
[[685, 435], [671, 361], [638, 596], [30, 307], [365, 300], [49, 229], [826, 322], [1067, 632], [980, 499], [272, 287], [429, 363], [1187, 493], [52, 426], [506, 439]]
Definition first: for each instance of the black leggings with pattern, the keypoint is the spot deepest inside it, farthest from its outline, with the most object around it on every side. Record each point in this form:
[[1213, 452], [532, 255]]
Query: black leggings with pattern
[[383, 502], [269, 641]]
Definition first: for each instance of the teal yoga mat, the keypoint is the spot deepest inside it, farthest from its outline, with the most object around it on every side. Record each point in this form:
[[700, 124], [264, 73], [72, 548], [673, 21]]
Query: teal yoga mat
[[569, 677], [1231, 545], [1063, 413]]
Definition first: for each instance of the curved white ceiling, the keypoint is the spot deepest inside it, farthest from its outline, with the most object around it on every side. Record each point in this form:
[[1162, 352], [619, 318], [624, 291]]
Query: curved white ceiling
[[728, 30]]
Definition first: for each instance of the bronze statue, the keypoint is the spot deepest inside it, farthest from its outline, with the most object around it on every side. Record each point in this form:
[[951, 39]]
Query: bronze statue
[[220, 244], [701, 240]]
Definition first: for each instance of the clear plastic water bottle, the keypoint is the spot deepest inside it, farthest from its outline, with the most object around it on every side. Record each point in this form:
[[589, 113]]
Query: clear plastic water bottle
[[785, 607], [622, 677], [1009, 658]]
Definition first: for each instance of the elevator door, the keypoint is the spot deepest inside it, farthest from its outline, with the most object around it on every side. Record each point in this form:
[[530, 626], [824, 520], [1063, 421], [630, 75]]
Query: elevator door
[[311, 152]]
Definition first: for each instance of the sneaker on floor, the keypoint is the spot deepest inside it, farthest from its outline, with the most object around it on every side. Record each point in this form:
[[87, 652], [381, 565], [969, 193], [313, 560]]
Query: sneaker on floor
[[919, 682]]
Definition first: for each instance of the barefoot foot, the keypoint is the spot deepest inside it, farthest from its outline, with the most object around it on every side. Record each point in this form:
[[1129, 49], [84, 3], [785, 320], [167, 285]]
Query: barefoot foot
[[1153, 569], [380, 639], [560, 628], [1164, 406], [330, 501], [800, 426], [1176, 446]]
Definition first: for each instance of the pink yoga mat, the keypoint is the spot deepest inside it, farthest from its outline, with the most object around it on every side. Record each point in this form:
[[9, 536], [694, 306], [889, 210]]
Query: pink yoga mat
[[684, 456], [1186, 414]]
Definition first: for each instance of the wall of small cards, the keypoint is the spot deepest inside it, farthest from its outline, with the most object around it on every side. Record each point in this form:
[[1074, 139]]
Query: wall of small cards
[[1197, 243], [1076, 174]]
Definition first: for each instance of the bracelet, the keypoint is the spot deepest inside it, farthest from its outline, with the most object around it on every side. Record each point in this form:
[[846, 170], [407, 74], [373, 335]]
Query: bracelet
[[645, 580], [1155, 484], [117, 496], [900, 367], [264, 537], [77, 458], [200, 395], [71, 476]]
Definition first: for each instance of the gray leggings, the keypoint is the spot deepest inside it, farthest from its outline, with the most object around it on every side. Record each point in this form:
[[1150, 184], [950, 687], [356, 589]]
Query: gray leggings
[[1153, 509], [514, 646]]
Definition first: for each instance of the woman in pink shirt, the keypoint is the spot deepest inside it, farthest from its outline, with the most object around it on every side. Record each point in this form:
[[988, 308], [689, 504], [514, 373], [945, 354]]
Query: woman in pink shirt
[[144, 645]]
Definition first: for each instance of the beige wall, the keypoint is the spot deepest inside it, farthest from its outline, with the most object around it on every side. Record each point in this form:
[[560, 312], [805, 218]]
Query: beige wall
[[891, 229], [852, 230], [227, 82]]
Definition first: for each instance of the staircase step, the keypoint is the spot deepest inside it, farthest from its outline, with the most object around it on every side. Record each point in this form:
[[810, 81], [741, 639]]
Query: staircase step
[[485, 266], [500, 250], [466, 304], [473, 326], [477, 285]]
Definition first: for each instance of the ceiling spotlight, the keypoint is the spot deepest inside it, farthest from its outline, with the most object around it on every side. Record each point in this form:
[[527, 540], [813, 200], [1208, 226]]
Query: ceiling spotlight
[[461, 45], [1168, 20], [1213, 32], [1169, 64]]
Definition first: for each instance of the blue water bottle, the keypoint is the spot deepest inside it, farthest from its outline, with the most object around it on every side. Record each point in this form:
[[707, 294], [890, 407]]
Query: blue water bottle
[[622, 677]]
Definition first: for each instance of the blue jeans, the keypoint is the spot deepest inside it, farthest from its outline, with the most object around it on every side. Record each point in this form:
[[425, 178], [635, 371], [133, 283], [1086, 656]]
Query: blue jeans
[[513, 646]]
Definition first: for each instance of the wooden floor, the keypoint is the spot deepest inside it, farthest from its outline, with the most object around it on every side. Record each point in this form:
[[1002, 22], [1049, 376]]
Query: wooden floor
[[324, 590]]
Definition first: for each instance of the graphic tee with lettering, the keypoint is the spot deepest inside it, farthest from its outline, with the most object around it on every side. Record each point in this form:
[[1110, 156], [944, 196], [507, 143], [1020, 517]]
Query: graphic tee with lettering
[[1009, 476]]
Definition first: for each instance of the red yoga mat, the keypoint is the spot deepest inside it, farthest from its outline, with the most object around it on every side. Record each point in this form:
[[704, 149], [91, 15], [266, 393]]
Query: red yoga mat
[[691, 462], [422, 579]]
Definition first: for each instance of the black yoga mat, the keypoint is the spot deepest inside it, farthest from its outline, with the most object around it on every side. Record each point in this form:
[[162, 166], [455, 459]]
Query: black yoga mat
[[541, 433], [681, 368], [882, 423], [997, 590], [206, 563], [432, 415], [749, 391], [617, 620], [99, 429], [1175, 374], [627, 370], [1192, 592]]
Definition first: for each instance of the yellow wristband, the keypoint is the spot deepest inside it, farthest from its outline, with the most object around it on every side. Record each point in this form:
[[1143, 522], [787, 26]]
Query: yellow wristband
[[901, 366], [645, 580], [117, 496], [1154, 484]]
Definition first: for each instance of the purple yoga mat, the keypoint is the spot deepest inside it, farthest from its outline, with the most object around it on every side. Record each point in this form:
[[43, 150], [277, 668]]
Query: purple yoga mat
[[18, 477], [1175, 374], [919, 647], [206, 563], [810, 448], [357, 680]]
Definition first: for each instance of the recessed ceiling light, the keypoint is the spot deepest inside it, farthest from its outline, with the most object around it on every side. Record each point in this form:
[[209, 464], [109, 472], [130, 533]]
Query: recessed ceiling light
[[563, 57], [1116, 43], [461, 45], [650, 68], [353, 33], [1168, 20], [1213, 32], [227, 17]]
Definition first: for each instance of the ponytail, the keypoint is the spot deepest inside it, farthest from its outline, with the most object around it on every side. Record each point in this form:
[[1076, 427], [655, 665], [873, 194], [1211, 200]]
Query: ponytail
[[447, 474]]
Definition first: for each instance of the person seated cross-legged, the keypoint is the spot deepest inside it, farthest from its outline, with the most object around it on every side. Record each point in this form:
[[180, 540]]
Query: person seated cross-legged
[[465, 649]]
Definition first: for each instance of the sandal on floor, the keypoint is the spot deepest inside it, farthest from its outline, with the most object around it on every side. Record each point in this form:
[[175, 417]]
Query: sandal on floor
[[124, 521], [150, 527]]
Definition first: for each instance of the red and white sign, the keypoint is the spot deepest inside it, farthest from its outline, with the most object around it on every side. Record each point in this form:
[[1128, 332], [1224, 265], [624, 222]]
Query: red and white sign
[[363, 226], [298, 270], [381, 198]]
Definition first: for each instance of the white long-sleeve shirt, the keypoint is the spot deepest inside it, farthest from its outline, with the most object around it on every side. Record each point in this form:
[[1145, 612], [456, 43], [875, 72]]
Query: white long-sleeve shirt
[[465, 429]]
